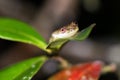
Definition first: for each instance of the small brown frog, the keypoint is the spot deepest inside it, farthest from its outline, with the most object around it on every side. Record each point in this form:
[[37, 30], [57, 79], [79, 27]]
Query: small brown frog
[[64, 32]]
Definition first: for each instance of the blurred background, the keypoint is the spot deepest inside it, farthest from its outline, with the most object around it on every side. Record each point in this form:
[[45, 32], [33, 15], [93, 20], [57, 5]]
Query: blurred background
[[48, 15]]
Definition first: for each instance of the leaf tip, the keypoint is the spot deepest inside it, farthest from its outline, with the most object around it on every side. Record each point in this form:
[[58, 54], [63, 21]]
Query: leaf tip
[[93, 25]]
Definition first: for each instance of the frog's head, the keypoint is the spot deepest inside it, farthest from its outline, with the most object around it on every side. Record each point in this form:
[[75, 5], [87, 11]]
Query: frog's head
[[65, 32]]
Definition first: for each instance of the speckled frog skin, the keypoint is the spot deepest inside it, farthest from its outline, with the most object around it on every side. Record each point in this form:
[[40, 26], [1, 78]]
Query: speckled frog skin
[[64, 32]]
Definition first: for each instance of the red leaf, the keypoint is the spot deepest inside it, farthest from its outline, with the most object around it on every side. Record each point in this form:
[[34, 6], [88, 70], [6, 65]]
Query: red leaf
[[86, 71]]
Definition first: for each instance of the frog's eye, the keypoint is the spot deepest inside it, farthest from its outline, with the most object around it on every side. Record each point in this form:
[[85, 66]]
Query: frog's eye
[[63, 30]]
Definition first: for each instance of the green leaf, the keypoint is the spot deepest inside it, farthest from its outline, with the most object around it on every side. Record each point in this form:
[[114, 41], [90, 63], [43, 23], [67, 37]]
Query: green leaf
[[56, 45], [11, 29], [24, 70], [82, 35]]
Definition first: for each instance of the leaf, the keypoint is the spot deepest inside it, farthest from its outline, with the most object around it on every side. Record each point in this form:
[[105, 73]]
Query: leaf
[[82, 35], [14, 30], [24, 70], [86, 71], [57, 44]]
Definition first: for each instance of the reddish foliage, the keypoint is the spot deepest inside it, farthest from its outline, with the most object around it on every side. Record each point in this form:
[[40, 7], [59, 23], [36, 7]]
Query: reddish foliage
[[86, 71]]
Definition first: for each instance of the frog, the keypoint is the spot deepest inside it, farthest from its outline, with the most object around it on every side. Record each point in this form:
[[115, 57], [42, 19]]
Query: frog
[[64, 32]]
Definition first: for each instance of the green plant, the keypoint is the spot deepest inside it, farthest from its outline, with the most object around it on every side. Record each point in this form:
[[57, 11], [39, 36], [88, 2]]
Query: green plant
[[15, 30]]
